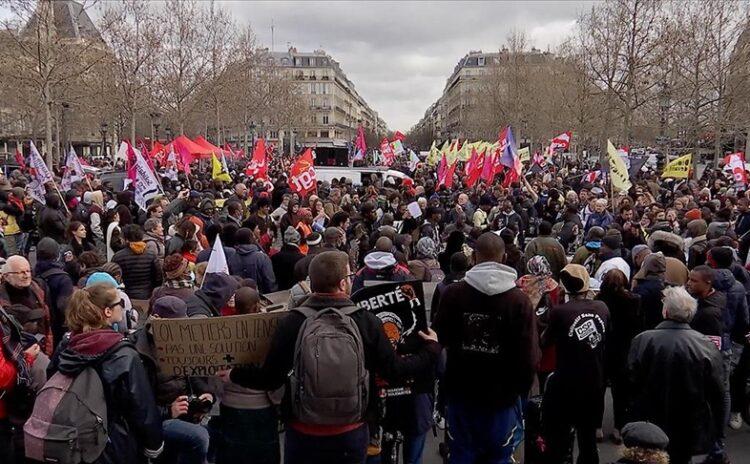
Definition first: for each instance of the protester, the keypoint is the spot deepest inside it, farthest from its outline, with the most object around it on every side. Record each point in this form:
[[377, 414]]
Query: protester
[[251, 263], [674, 354]]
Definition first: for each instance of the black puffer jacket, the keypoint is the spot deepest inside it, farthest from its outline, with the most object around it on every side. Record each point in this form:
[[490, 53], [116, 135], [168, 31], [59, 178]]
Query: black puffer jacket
[[134, 420], [52, 220], [141, 270], [216, 291]]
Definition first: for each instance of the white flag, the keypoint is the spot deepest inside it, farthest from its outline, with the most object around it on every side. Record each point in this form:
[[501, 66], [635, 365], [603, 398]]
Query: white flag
[[37, 191], [146, 184], [39, 169], [73, 170], [413, 161], [217, 261]]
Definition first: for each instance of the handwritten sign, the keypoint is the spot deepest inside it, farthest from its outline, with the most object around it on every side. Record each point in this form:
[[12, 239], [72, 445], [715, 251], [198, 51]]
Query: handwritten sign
[[205, 346]]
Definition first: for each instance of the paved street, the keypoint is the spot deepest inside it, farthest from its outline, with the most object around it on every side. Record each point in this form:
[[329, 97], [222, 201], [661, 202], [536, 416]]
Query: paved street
[[738, 443]]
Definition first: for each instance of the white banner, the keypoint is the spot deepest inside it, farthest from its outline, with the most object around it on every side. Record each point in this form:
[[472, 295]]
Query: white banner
[[73, 170], [39, 169], [146, 184]]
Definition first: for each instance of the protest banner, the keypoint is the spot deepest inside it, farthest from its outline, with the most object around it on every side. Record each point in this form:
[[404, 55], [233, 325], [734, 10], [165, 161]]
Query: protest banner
[[401, 308], [205, 346]]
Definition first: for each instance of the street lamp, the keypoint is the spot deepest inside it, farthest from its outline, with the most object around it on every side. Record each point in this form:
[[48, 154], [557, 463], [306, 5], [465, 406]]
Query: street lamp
[[103, 130]]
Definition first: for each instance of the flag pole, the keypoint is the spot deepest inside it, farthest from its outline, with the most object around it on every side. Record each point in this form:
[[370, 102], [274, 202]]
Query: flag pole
[[54, 184]]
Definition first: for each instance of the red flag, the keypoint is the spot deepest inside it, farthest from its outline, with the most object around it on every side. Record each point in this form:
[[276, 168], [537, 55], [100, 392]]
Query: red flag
[[131, 163], [474, 168], [258, 168], [185, 157], [302, 175], [488, 168], [441, 168], [445, 173], [561, 141], [386, 152], [511, 175], [360, 146], [399, 136], [19, 160]]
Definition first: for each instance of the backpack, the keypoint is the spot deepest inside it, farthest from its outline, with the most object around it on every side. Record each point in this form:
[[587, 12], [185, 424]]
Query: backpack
[[329, 382], [69, 422]]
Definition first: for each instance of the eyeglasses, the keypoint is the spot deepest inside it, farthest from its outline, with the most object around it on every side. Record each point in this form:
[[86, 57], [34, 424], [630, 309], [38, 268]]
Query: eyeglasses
[[120, 303], [28, 272]]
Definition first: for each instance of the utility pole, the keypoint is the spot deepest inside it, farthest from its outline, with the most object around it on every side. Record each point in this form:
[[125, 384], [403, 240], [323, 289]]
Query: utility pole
[[273, 49]]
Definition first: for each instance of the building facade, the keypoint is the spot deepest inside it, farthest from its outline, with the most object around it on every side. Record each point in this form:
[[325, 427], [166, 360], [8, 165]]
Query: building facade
[[336, 108]]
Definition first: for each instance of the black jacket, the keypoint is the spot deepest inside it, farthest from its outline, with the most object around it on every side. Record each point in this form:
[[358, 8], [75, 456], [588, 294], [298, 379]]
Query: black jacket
[[58, 292], [708, 319], [52, 224], [249, 262], [677, 383], [283, 264], [141, 272], [651, 301], [134, 421], [379, 354], [626, 322]]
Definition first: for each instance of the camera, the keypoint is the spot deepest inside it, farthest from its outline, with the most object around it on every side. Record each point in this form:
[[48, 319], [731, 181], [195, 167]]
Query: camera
[[197, 408]]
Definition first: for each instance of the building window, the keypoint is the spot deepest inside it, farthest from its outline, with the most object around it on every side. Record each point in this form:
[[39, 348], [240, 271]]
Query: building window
[[274, 135], [326, 103], [324, 134], [313, 88], [305, 61], [325, 119], [324, 89], [314, 119], [481, 61]]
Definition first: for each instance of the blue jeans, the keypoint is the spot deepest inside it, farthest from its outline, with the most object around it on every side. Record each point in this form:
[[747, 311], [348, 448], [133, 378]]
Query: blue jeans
[[481, 434], [346, 448], [186, 442], [412, 451]]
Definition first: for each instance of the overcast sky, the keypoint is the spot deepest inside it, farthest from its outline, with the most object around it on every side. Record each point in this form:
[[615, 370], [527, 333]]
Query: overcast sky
[[399, 54]]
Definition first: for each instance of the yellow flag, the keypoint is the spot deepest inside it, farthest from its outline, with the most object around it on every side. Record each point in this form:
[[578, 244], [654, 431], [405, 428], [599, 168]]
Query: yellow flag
[[524, 154], [218, 172], [434, 157], [678, 168], [617, 169]]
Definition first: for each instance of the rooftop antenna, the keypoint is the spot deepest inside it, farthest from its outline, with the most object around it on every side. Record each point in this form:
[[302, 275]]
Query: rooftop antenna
[[272, 41]]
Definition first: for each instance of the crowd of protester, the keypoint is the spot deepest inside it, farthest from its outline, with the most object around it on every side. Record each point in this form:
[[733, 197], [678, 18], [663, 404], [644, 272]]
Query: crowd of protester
[[548, 291]]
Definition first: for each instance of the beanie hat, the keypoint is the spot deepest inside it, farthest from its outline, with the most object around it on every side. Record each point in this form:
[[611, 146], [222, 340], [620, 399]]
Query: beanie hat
[[175, 266], [169, 307], [638, 249], [314, 239], [697, 227], [575, 279], [595, 234], [291, 236], [101, 278], [47, 249], [644, 435], [693, 214]]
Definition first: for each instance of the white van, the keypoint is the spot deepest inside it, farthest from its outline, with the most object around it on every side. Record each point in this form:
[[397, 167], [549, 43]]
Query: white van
[[324, 173]]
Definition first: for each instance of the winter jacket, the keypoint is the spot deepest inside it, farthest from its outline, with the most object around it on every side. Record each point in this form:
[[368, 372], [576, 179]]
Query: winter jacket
[[174, 245], [166, 387], [609, 264], [155, 244], [677, 383], [251, 263], [709, 319], [380, 266], [650, 291], [216, 291], [52, 224], [626, 321], [134, 420], [59, 289], [425, 270], [697, 252], [487, 325], [550, 248], [32, 297], [283, 264], [603, 220], [141, 270], [380, 356], [204, 255], [735, 314]]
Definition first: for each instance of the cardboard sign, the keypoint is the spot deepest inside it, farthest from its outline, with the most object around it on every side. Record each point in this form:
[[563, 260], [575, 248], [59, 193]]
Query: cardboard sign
[[414, 209], [401, 308], [205, 346]]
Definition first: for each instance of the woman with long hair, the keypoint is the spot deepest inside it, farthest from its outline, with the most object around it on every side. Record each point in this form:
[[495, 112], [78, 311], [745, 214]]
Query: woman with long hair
[[113, 236], [625, 323], [76, 234], [133, 419]]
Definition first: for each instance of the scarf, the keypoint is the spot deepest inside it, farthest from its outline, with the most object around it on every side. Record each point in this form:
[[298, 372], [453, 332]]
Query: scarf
[[12, 347], [179, 283]]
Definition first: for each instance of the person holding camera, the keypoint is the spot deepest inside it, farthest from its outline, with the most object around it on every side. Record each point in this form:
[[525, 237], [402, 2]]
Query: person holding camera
[[183, 401]]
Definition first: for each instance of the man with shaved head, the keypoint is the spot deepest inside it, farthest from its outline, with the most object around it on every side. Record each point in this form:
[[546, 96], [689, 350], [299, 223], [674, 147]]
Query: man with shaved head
[[18, 288], [381, 265], [487, 325]]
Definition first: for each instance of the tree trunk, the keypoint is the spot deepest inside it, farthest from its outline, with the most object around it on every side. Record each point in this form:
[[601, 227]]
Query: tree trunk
[[48, 133], [132, 128]]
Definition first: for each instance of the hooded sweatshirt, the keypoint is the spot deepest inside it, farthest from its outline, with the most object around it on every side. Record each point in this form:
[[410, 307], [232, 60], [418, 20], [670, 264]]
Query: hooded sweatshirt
[[134, 420], [735, 313], [216, 291], [380, 266], [487, 325]]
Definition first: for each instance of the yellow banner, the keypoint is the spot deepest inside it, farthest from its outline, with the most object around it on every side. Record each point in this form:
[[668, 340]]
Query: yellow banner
[[434, 157], [678, 168], [524, 154], [617, 169], [218, 172]]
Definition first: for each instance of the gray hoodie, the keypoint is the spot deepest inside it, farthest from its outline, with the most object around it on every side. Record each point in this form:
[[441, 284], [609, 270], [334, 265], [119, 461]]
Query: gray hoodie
[[491, 278]]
